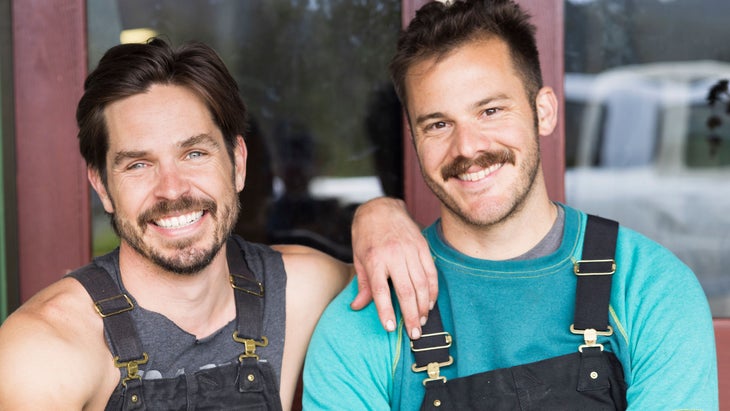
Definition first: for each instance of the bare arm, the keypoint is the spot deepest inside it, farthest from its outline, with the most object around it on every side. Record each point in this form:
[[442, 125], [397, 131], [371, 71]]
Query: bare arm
[[313, 280], [387, 243], [53, 356]]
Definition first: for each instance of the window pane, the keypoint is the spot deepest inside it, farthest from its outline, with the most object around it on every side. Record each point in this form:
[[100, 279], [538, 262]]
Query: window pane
[[325, 123], [7, 268], [645, 146]]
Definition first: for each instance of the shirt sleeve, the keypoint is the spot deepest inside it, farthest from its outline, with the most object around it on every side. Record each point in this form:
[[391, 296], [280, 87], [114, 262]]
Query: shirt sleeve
[[668, 329], [349, 359]]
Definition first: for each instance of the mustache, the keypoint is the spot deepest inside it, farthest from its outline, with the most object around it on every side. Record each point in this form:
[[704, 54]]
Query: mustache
[[484, 160], [180, 205]]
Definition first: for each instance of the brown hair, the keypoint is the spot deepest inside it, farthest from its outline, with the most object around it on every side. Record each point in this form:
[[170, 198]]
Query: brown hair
[[439, 28], [129, 69]]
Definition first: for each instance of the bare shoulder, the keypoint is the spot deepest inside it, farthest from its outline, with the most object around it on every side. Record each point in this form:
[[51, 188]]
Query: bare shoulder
[[53, 350], [313, 273]]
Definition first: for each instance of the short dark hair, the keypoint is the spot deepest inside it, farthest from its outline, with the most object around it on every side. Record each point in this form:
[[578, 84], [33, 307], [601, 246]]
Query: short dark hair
[[129, 69], [439, 28]]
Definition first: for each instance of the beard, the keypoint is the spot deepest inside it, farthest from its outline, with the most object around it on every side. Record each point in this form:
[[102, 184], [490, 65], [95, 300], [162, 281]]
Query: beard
[[186, 259], [495, 213]]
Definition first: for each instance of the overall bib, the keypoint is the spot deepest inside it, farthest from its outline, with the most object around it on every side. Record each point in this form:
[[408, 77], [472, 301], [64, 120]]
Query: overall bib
[[245, 384], [588, 379]]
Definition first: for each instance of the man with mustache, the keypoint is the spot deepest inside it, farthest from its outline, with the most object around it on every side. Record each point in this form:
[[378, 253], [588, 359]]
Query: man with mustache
[[182, 315], [540, 306]]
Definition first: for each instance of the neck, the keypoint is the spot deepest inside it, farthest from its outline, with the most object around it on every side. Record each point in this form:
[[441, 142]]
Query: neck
[[511, 237], [198, 303]]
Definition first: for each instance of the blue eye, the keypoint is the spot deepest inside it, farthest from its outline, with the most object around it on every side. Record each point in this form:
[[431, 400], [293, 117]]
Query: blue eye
[[195, 154]]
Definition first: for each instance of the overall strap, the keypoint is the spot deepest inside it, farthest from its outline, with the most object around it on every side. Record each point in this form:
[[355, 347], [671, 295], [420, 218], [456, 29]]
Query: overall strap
[[248, 292], [114, 307], [249, 297], [593, 292], [595, 273], [431, 351]]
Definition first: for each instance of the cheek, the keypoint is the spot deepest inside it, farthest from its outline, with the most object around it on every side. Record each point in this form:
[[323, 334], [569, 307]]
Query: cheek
[[431, 155], [128, 199]]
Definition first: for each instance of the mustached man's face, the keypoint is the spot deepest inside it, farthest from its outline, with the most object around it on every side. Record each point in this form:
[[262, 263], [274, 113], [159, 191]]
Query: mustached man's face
[[475, 132], [171, 186]]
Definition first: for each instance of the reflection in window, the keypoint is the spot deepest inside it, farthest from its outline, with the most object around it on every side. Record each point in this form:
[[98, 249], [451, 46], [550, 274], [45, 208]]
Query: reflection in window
[[708, 139], [636, 90], [325, 125]]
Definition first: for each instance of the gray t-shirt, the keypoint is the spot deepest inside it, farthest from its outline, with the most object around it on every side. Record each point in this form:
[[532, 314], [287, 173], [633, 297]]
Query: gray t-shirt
[[173, 351]]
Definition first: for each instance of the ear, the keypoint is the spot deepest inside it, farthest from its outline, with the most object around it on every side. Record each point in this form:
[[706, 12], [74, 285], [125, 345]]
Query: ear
[[547, 111], [240, 154], [96, 182]]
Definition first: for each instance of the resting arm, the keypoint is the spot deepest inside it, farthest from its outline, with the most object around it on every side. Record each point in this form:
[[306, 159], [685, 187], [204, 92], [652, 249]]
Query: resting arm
[[387, 243], [53, 354]]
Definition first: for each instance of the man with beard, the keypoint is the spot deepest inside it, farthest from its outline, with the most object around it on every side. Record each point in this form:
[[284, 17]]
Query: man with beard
[[540, 306], [182, 315]]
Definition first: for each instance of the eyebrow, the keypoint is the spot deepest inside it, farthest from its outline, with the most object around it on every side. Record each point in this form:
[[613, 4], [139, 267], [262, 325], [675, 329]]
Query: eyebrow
[[422, 119], [480, 103], [203, 138]]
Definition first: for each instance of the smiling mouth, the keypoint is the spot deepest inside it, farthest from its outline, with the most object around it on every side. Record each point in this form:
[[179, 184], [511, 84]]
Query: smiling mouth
[[479, 174], [179, 221]]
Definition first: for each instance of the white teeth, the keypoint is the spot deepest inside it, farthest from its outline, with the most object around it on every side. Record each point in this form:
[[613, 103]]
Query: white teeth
[[179, 221], [479, 174]]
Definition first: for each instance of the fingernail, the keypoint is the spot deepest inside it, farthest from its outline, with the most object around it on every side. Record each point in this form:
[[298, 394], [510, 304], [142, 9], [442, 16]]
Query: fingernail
[[423, 321], [389, 325], [431, 304], [416, 333]]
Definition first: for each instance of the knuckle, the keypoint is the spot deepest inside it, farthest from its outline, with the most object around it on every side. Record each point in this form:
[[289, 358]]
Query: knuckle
[[380, 289]]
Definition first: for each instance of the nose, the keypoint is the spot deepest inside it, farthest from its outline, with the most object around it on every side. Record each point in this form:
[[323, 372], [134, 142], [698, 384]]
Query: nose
[[467, 140], [172, 182]]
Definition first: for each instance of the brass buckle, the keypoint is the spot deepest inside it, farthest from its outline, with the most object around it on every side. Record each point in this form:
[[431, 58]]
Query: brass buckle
[[576, 266], [232, 279], [249, 346], [433, 370], [447, 338], [97, 305], [132, 367], [590, 336]]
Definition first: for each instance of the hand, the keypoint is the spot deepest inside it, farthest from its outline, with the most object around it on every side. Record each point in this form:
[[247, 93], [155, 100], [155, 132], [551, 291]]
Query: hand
[[387, 243]]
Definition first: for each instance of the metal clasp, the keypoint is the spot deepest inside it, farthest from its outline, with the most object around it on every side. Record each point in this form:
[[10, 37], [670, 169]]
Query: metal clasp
[[250, 345], [608, 267], [132, 367], [447, 341], [232, 279], [433, 369], [100, 309], [590, 336]]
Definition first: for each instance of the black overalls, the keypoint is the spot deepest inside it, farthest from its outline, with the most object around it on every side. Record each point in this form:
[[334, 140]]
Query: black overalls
[[588, 379], [248, 384]]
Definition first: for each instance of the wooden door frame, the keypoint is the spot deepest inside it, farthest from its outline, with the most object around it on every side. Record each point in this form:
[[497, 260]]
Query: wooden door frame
[[49, 66]]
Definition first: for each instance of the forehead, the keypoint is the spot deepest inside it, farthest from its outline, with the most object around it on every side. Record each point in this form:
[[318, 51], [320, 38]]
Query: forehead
[[162, 114], [474, 67]]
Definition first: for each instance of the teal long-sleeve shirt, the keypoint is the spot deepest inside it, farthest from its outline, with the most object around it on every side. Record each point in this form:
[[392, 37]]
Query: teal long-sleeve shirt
[[507, 313]]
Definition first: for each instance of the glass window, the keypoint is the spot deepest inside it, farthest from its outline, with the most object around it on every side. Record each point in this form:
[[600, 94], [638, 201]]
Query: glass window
[[645, 145], [325, 122], [8, 268]]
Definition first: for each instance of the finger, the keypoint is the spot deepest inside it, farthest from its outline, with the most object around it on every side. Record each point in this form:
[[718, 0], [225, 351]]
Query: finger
[[431, 275], [407, 300], [364, 296], [380, 291], [420, 286]]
